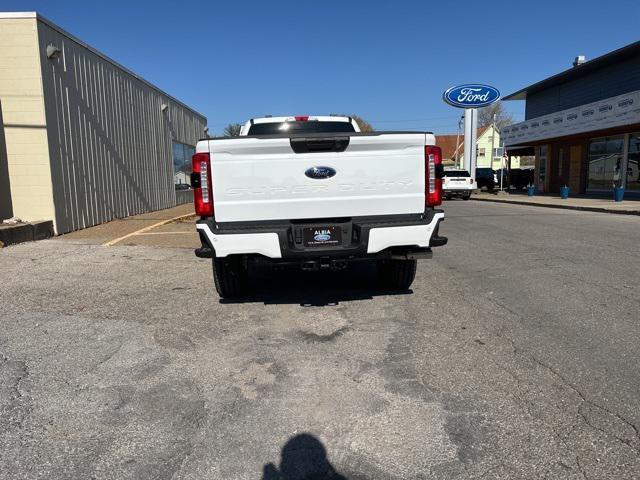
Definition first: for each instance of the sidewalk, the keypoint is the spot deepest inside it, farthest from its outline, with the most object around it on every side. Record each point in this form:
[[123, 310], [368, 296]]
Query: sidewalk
[[589, 204], [121, 229]]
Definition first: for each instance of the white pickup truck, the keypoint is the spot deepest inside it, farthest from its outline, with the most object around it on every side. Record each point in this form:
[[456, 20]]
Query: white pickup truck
[[317, 193]]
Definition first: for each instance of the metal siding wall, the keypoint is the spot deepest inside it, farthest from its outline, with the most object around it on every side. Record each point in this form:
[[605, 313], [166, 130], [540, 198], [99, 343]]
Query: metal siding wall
[[607, 82], [109, 142]]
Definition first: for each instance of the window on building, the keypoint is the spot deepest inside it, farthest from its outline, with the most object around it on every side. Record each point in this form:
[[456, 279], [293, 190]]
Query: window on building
[[633, 163], [605, 160], [542, 162], [560, 161], [182, 154], [481, 152]]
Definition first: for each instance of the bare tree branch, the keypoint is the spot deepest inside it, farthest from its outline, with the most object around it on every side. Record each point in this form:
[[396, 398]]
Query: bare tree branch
[[232, 130], [503, 118]]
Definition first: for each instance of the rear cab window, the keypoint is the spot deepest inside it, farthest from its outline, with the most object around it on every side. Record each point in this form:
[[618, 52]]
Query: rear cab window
[[311, 126]]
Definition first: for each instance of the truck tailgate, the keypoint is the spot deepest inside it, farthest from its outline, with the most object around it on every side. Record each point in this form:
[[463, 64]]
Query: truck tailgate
[[264, 178]]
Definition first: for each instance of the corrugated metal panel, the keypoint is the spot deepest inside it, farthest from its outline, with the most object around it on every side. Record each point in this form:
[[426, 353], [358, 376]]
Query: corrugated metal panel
[[109, 140], [184, 196], [607, 82]]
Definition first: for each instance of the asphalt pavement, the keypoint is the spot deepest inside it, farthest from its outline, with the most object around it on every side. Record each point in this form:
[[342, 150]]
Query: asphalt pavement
[[515, 355]]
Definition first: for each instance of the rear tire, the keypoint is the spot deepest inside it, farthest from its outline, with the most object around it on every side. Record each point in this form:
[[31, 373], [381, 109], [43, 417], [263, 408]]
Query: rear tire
[[466, 197], [397, 274], [230, 276]]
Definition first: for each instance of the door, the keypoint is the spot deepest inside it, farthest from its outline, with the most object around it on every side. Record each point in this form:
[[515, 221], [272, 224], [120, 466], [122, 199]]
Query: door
[[575, 168], [558, 175]]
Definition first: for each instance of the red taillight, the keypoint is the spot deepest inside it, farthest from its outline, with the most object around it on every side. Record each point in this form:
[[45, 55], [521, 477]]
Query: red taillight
[[201, 183], [302, 118], [432, 175]]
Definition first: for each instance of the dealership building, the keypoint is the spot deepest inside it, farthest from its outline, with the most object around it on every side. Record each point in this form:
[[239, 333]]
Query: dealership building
[[583, 125], [84, 140]]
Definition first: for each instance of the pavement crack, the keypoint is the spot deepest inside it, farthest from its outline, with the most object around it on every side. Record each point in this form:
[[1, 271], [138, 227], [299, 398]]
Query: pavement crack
[[490, 470], [584, 400], [18, 407], [580, 468], [108, 356], [516, 394], [23, 373]]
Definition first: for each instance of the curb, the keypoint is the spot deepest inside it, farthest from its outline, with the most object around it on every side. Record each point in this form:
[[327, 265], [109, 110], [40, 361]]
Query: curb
[[562, 207], [25, 232], [110, 243]]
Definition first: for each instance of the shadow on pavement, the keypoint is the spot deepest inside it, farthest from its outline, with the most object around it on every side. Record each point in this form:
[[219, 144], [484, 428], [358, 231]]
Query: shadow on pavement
[[314, 289], [303, 457]]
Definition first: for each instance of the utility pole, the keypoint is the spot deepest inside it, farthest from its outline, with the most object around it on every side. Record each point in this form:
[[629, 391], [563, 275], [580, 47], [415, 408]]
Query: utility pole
[[493, 136]]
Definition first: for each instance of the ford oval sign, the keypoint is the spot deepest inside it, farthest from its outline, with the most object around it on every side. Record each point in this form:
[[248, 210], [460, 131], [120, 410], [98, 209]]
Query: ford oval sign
[[322, 237], [318, 173], [472, 95]]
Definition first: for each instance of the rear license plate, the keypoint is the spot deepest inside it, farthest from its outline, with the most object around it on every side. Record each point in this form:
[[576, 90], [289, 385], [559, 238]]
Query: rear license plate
[[322, 236]]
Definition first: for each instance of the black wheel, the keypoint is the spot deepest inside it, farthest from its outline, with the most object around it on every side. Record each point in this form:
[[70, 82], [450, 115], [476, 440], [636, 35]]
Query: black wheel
[[230, 276], [466, 197], [397, 274]]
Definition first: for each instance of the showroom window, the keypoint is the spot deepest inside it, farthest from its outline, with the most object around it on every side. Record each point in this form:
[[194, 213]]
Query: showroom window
[[182, 154], [605, 161], [633, 163]]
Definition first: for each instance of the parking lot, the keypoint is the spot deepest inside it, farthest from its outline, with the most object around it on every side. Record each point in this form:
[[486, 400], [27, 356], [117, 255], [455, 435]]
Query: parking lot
[[515, 355]]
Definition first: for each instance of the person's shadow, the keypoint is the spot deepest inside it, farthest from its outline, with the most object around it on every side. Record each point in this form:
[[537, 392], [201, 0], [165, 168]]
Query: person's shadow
[[303, 457]]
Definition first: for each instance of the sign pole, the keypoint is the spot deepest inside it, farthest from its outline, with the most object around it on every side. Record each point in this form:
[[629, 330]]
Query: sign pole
[[470, 134]]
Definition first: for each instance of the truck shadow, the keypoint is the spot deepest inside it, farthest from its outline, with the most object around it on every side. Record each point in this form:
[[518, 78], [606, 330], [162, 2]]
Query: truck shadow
[[314, 289]]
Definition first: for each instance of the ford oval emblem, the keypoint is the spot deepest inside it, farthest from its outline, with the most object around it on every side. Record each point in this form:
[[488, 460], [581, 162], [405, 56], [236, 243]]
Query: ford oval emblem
[[319, 173], [471, 95], [322, 237]]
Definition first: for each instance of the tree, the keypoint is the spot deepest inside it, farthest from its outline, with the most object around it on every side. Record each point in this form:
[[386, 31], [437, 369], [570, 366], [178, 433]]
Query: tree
[[232, 130], [485, 116], [362, 123]]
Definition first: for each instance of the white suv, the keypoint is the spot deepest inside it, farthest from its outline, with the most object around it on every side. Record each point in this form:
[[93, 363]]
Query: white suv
[[457, 183]]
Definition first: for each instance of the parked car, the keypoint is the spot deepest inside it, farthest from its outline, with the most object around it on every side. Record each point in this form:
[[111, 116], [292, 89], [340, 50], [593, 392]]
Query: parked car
[[517, 178], [457, 183], [504, 182], [316, 193], [485, 178], [182, 186]]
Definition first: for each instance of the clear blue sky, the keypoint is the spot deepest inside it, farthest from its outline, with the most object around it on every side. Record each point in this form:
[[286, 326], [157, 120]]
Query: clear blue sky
[[388, 61]]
